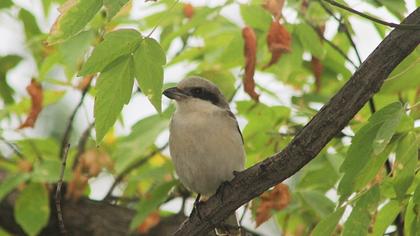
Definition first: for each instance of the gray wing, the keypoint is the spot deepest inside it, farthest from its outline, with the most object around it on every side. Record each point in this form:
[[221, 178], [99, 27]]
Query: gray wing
[[230, 114]]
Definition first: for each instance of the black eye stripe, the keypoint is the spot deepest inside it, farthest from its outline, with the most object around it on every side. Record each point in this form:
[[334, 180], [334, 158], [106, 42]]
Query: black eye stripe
[[204, 94]]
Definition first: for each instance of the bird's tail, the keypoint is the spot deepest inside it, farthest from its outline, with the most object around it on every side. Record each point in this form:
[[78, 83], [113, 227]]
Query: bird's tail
[[229, 227]]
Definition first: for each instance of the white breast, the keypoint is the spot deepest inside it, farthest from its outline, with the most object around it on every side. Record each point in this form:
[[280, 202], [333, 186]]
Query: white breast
[[205, 146]]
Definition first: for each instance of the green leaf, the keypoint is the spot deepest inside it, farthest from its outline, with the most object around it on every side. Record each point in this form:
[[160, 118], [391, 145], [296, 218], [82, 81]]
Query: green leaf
[[410, 216], [141, 138], [8, 62], [368, 142], [358, 223], [114, 88], [370, 170], [75, 14], [46, 171], [392, 116], [222, 78], [255, 16], [396, 7], [150, 204], [5, 4], [359, 219], [115, 44], [321, 175], [327, 225], [112, 7], [72, 52], [198, 19], [403, 77], [310, 40], [29, 23], [416, 195], [6, 92], [405, 164], [11, 182], [3, 232], [319, 202], [148, 60], [32, 209], [385, 217]]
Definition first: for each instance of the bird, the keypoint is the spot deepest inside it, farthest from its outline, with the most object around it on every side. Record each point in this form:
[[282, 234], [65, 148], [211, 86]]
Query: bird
[[205, 142]]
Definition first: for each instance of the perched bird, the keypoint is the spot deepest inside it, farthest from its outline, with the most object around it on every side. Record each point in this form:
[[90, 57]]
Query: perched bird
[[205, 142]]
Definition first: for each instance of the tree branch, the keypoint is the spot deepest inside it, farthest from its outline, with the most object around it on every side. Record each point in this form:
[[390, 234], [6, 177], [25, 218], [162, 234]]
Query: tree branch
[[58, 191], [332, 118], [67, 132], [132, 167]]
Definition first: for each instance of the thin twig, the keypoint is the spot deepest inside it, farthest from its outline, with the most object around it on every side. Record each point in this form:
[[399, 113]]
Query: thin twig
[[243, 214], [132, 167], [13, 147], [234, 93], [58, 191], [67, 132], [379, 21], [334, 46], [82, 145], [353, 44], [160, 20]]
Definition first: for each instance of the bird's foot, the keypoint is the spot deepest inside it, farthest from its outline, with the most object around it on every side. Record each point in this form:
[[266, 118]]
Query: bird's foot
[[227, 229], [195, 207], [221, 188]]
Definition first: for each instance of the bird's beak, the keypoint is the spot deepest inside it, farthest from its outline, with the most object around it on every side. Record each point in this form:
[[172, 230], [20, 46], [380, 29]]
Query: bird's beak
[[175, 93]]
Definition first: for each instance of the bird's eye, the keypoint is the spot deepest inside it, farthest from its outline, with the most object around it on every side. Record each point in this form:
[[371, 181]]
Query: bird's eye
[[197, 91]]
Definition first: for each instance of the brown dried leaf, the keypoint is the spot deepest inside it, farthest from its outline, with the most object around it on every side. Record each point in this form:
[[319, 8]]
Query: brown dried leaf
[[279, 41], [151, 221], [317, 69], [275, 7], [188, 10], [77, 185], [250, 52], [276, 199], [24, 166], [89, 165], [92, 161], [35, 91]]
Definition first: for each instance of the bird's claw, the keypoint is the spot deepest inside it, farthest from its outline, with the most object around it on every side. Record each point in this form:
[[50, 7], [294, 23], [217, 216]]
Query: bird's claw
[[219, 190], [195, 208]]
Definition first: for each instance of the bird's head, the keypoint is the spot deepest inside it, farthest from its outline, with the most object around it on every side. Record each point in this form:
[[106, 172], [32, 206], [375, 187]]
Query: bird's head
[[196, 90]]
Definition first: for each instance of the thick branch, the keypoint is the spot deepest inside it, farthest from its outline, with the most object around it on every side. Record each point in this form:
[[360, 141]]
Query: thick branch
[[87, 217], [332, 118]]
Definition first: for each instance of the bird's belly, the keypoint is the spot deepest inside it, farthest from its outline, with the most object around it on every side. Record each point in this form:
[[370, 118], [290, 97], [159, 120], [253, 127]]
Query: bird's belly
[[206, 157]]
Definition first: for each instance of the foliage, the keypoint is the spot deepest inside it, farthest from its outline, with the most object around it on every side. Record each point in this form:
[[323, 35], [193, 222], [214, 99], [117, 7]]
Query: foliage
[[99, 49]]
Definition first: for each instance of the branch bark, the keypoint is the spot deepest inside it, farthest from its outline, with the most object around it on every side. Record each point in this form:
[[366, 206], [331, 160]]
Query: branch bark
[[89, 217], [330, 120]]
